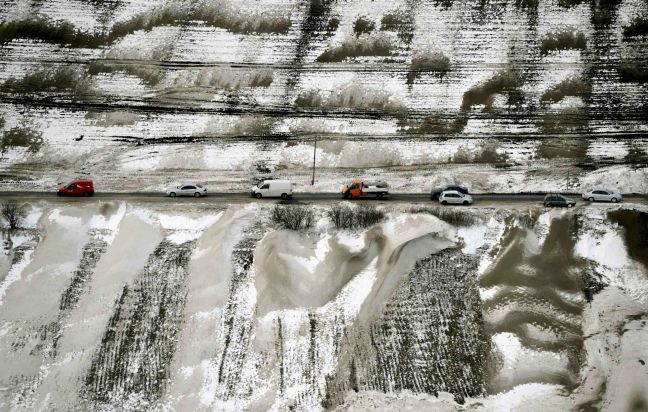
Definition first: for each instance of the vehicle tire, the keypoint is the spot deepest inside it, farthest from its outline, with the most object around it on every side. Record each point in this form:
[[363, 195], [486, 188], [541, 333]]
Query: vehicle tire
[[591, 199], [546, 205], [58, 194], [569, 205], [196, 194], [172, 194], [87, 194], [443, 202], [258, 195], [284, 196], [614, 200], [465, 203]]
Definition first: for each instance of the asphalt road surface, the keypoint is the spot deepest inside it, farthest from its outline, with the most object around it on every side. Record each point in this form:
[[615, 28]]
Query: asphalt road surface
[[484, 199]]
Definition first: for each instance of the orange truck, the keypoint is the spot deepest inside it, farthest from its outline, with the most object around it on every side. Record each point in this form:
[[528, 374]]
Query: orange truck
[[358, 189]]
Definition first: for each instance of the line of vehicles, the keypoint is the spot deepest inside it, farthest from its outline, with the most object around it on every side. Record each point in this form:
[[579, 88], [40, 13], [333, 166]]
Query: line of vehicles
[[357, 189]]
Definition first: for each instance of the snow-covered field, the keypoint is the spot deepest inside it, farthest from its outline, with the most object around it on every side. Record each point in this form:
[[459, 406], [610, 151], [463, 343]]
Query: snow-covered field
[[138, 94], [107, 305], [140, 306]]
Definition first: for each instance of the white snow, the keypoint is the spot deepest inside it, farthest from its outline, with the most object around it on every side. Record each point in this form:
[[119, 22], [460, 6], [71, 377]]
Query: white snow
[[492, 236], [354, 242], [63, 220], [489, 293], [618, 176], [509, 346], [607, 250], [30, 221], [601, 242], [473, 237], [144, 215], [17, 240], [520, 363], [351, 298], [111, 224], [184, 228], [14, 273], [310, 263], [529, 397]]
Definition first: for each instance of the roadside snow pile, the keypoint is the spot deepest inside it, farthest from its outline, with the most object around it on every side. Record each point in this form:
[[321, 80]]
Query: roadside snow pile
[[100, 221], [401, 228], [494, 231], [19, 264], [106, 227], [354, 154], [473, 237], [543, 223], [56, 216], [353, 243], [32, 217], [324, 335], [184, 228], [626, 179], [605, 248], [601, 242]]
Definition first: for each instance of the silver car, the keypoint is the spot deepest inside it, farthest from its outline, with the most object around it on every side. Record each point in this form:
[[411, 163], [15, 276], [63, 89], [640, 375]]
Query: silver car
[[602, 195], [186, 189], [454, 197]]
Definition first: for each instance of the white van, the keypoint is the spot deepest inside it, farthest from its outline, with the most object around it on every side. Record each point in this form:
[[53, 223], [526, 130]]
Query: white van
[[273, 188]]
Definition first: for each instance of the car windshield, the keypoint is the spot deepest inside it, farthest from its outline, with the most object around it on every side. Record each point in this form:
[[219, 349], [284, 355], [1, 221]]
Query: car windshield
[[260, 184]]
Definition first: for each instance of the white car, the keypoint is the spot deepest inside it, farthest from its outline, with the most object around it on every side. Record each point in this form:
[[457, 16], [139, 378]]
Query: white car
[[602, 195], [454, 197], [186, 189]]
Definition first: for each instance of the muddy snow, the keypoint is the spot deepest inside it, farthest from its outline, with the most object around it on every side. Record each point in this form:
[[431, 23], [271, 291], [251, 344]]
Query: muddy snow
[[133, 306]]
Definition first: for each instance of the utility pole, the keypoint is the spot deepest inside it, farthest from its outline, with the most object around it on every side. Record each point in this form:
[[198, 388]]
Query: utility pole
[[314, 153]]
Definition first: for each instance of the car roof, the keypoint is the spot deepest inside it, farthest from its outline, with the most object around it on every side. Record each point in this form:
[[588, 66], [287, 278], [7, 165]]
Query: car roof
[[451, 191]]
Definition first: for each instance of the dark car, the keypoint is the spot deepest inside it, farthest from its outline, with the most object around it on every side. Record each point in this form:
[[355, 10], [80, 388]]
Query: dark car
[[555, 200], [436, 192]]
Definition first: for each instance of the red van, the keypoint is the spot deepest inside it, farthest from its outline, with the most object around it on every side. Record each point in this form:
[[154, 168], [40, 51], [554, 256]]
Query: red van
[[77, 188]]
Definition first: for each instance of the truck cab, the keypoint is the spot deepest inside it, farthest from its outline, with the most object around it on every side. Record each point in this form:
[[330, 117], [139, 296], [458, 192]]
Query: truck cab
[[77, 187], [358, 189]]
